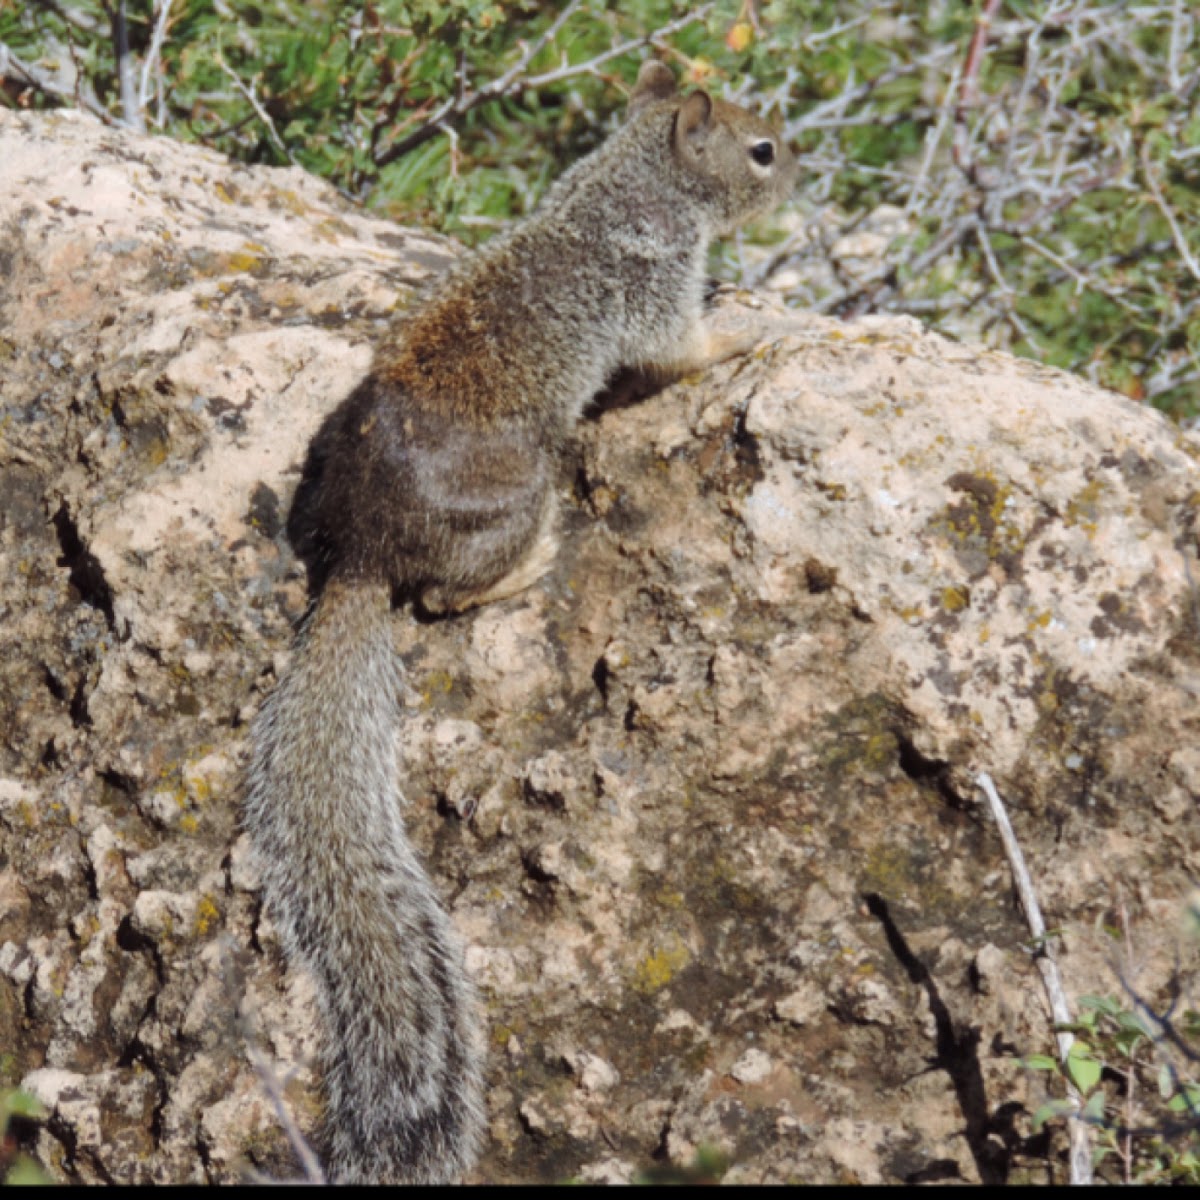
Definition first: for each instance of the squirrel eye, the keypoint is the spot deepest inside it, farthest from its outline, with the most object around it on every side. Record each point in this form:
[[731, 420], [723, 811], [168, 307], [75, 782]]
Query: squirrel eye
[[763, 153]]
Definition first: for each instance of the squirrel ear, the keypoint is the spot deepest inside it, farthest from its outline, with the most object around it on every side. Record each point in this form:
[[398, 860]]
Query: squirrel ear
[[692, 122], [655, 81]]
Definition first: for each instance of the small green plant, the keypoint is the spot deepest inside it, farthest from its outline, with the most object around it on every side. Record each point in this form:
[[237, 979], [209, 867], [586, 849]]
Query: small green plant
[[708, 1167], [15, 1167], [1144, 1109]]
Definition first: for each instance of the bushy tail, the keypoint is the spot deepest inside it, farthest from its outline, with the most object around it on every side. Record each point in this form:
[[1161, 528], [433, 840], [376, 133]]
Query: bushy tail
[[354, 905]]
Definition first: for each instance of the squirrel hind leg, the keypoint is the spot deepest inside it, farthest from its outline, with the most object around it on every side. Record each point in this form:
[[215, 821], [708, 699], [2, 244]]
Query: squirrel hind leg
[[533, 563]]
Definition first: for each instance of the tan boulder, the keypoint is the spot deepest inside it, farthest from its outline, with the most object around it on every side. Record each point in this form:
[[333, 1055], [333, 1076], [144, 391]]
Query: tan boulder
[[701, 802]]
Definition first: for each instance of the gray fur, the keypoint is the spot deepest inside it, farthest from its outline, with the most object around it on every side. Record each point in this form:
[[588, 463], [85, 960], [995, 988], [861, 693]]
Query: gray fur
[[434, 482], [354, 905]]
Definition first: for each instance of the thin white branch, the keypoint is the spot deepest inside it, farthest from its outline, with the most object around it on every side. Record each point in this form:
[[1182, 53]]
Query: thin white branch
[[153, 53], [1174, 79], [1185, 251], [1033, 51], [81, 21], [131, 109], [1081, 1153], [252, 99], [589, 67], [1081, 280], [498, 86], [1007, 291], [821, 35], [853, 92], [15, 68], [271, 1084], [933, 139]]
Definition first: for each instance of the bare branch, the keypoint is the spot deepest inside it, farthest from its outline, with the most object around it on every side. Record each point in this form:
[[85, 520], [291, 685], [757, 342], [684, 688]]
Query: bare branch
[[461, 104], [1081, 1156], [154, 52], [855, 93], [1007, 291], [933, 139], [885, 282], [657, 38], [14, 68], [271, 1084], [1181, 244], [131, 109], [1002, 199], [251, 97], [1082, 281], [1174, 78], [968, 95]]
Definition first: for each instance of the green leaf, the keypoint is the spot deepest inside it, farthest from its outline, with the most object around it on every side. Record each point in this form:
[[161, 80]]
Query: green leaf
[[1040, 1062], [1086, 1023], [16, 1103], [1104, 1004], [1132, 1022], [26, 1173], [1049, 1111], [1038, 943], [1082, 1067], [1128, 1040], [1186, 1100]]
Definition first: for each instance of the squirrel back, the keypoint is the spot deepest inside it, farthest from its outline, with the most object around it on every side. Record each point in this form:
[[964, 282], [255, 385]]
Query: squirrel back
[[433, 482]]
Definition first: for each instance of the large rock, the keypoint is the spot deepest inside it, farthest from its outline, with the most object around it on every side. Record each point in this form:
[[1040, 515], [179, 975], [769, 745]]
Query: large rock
[[701, 802]]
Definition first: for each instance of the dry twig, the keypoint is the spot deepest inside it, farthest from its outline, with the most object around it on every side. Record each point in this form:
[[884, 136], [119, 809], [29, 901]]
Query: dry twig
[[248, 92], [153, 57], [1081, 1153], [272, 1085], [131, 109]]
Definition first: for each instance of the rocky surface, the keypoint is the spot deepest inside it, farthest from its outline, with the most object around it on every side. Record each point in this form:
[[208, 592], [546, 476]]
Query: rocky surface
[[701, 802]]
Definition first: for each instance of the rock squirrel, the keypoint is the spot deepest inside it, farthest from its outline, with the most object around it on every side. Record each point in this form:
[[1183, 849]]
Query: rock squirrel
[[434, 482]]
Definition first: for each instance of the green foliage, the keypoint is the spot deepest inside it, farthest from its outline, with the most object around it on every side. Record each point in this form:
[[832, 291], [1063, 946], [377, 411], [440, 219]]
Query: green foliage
[[16, 1168], [708, 1167], [343, 82], [1152, 1129], [1056, 214]]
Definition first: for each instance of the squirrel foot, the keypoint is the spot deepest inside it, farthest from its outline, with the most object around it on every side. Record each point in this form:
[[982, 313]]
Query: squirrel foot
[[732, 329]]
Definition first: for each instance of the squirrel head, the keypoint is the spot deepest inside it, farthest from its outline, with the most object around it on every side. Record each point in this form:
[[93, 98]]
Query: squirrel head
[[732, 160]]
